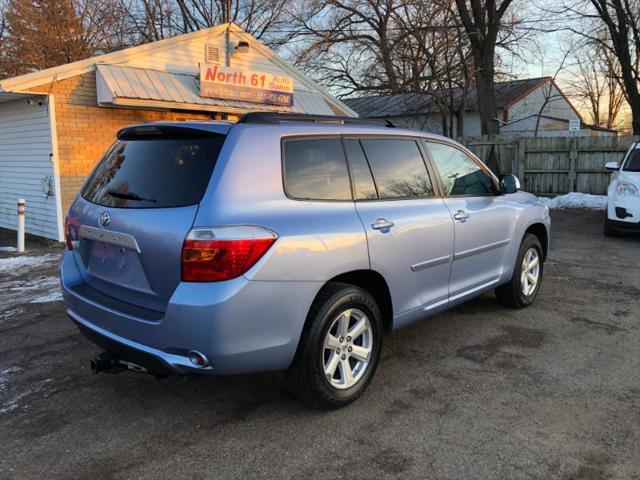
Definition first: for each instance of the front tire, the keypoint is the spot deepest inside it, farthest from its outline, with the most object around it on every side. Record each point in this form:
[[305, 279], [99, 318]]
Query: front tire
[[609, 231], [340, 348], [523, 288]]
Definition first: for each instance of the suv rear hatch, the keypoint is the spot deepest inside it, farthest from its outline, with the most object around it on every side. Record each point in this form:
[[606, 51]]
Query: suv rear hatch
[[128, 225]]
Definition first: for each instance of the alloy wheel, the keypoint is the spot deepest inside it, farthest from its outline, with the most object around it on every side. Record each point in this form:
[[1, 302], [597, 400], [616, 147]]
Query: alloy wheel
[[347, 348], [530, 272]]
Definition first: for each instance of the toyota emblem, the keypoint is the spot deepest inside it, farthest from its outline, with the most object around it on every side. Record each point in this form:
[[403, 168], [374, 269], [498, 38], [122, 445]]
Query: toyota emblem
[[105, 219]]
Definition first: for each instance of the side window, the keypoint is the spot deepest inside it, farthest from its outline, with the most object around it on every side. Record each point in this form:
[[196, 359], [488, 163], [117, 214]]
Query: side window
[[460, 174], [398, 168], [363, 185], [316, 169], [633, 162]]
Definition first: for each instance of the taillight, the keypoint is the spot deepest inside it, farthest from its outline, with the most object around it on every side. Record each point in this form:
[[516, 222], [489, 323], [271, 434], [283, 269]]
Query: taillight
[[71, 225], [223, 253]]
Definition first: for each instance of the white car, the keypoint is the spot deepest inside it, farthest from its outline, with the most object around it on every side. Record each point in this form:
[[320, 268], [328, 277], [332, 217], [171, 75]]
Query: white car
[[623, 203]]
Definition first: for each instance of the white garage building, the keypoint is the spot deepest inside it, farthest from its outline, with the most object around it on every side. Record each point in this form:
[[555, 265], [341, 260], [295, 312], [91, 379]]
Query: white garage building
[[26, 167]]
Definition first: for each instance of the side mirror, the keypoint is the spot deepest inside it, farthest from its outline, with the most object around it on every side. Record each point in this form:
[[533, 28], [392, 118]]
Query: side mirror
[[509, 184], [613, 166]]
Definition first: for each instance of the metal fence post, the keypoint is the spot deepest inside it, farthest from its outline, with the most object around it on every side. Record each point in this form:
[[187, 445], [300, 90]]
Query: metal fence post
[[21, 213]]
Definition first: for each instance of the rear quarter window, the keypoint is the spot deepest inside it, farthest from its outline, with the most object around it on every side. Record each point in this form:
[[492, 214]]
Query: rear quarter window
[[315, 169], [154, 172]]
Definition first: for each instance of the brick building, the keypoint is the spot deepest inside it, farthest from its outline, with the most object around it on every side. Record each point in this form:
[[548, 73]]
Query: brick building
[[56, 123]]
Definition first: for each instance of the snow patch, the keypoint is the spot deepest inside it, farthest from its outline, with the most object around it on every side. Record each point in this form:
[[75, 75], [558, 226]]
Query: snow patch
[[54, 296], [576, 200], [8, 249], [11, 404], [10, 398], [19, 265], [10, 313], [35, 290], [35, 284], [5, 373]]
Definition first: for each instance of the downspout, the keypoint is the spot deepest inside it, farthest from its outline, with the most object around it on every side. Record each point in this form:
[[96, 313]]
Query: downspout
[[55, 163]]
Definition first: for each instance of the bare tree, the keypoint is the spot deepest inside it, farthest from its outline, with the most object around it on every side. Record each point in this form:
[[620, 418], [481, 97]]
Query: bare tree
[[46, 33], [596, 86], [374, 46], [156, 19], [614, 25], [3, 24], [451, 72], [622, 20], [485, 26]]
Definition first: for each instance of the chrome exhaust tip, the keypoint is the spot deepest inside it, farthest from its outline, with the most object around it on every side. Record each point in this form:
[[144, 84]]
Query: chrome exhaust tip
[[198, 359]]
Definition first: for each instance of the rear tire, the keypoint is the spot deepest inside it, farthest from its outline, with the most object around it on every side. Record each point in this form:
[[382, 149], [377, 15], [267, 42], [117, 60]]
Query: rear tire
[[339, 349], [523, 288]]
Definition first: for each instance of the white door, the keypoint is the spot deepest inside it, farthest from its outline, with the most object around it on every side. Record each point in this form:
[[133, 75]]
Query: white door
[[26, 169]]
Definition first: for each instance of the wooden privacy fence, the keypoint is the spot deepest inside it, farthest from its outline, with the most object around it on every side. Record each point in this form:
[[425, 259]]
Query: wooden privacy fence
[[554, 165]]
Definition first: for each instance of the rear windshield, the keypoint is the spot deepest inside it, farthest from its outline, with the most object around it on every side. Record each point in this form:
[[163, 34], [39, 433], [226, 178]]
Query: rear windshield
[[154, 173], [633, 162]]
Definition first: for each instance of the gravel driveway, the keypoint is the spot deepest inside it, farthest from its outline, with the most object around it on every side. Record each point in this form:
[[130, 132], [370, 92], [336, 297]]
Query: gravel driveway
[[552, 391]]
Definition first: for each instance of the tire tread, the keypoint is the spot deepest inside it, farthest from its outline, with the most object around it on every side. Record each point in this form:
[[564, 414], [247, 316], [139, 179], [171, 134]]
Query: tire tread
[[509, 293], [306, 386]]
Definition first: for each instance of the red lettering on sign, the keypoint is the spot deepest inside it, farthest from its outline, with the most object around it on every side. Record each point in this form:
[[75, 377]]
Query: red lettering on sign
[[211, 75]]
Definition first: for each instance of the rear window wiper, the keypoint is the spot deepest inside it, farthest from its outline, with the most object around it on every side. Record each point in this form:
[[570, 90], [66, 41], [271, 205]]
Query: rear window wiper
[[129, 196]]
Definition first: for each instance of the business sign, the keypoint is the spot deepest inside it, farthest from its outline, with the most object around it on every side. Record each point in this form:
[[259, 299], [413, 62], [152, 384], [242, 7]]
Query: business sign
[[245, 85]]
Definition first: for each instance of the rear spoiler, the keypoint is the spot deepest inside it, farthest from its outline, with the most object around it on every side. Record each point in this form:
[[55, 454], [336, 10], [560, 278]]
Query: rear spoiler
[[149, 131]]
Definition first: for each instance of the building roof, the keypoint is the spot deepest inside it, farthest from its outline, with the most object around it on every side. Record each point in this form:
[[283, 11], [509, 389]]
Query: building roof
[[22, 83], [129, 86], [400, 104]]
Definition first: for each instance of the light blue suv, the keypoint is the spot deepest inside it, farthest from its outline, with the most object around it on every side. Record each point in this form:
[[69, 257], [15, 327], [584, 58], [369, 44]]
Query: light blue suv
[[287, 242]]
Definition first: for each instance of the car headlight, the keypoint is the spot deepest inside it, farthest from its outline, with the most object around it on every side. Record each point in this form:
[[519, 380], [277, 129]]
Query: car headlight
[[626, 189]]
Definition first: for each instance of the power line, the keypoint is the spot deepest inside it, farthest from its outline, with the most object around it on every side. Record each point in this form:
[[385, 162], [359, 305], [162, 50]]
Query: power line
[[515, 24]]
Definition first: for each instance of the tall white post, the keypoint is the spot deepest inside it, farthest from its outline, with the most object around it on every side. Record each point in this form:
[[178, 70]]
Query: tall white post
[[21, 212]]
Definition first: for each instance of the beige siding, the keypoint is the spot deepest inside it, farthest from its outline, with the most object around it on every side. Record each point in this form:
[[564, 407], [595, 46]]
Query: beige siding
[[557, 106], [185, 56], [25, 148]]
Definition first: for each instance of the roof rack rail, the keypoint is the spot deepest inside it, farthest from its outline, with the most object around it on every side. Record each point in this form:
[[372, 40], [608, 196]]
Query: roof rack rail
[[272, 118]]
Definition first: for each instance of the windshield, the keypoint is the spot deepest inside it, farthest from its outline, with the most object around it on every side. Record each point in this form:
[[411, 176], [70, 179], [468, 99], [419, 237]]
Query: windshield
[[633, 161], [154, 173]]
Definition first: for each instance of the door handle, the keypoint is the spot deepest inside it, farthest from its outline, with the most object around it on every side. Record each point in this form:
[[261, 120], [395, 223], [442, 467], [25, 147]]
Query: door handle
[[382, 224], [461, 216]]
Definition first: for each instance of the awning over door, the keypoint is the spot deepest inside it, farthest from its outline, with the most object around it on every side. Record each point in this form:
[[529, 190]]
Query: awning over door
[[138, 87]]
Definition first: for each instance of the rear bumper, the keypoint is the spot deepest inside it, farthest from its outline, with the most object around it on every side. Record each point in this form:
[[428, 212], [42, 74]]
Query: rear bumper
[[154, 361], [242, 326]]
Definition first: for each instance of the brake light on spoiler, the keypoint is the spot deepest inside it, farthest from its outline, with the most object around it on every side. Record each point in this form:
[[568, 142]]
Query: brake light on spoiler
[[222, 253]]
